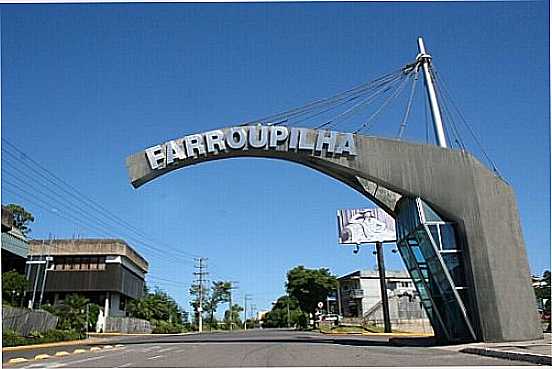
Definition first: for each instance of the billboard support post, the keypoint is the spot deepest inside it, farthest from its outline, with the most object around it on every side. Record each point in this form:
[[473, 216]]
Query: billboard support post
[[383, 288]]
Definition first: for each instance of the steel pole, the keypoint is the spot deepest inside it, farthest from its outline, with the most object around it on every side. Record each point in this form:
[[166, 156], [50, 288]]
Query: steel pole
[[245, 312], [338, 299], [383, 288], [434, 104]]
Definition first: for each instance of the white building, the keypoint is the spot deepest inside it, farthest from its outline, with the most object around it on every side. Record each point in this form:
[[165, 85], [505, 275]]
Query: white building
[[360, 291]]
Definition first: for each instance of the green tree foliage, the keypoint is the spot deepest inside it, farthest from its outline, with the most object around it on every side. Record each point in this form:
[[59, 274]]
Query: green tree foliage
[[21, 218], [157, 307], [278, 316], [309, 286], [13, 287], [220, 292], [71, 313], [233, 318], [542, 291]]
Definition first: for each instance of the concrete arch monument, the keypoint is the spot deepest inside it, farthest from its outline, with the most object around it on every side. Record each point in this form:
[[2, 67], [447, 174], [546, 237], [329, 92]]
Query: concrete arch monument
[[482, 292]]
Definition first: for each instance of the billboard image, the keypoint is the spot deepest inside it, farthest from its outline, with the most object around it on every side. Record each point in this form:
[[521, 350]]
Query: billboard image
[[356, 226]]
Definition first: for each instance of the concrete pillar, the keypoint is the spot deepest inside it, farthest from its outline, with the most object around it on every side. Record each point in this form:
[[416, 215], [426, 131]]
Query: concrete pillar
[[106, 311]]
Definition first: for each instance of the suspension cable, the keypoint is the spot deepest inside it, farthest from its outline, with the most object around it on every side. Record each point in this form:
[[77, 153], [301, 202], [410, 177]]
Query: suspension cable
[[470, 129], [352, 110], [410, 99], [385, 103], [336, 98]]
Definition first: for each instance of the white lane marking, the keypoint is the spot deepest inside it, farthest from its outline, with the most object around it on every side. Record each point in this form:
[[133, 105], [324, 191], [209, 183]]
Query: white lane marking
[[82, 360], [166, 349], [150, 348], [124, 365], [154, 357]]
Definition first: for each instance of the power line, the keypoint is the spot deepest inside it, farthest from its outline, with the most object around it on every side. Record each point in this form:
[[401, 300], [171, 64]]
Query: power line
[[101, 218], [74, 192]]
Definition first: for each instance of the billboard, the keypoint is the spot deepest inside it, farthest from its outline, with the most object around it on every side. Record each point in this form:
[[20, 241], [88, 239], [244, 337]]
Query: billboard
[[357, 226]]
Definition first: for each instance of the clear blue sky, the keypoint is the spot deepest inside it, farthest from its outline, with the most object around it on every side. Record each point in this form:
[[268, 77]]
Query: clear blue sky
[[84, 86]]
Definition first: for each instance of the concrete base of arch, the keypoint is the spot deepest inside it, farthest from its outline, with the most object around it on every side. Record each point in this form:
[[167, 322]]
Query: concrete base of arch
[[452, 182]]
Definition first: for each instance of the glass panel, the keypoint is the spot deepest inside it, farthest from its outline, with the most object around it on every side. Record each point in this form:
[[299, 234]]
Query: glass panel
[[448, 241], [452, 261], [434, 233], [430, 214], [417, 254], [93, 263], [101, 263], [407, 217]]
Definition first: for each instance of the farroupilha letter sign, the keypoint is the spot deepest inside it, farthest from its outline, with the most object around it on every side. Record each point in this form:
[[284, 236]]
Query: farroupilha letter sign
[[253, 137]]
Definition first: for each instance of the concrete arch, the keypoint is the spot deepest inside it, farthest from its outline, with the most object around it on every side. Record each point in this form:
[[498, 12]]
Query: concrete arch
[[453, 182]]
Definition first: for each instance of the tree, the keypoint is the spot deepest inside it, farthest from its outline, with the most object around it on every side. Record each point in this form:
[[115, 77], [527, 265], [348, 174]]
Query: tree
[[71, 312], [542, 293], [211, 298], [21, 218], [233, 317], [278, 316], [13, 286], [310, 286], [220, 292], [157, 307]]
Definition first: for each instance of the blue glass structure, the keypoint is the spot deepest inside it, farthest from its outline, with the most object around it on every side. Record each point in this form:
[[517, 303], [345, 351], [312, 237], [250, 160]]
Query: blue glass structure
[[432, 254]]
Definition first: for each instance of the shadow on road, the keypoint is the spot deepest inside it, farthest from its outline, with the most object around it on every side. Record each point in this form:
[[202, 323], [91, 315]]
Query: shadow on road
[[215, 338]]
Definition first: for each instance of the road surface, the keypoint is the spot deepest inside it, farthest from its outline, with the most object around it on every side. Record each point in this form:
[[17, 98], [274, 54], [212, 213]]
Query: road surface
[[254, 348]]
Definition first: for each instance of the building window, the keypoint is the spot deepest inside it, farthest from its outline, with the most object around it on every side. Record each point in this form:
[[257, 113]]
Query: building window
[[79, 263]]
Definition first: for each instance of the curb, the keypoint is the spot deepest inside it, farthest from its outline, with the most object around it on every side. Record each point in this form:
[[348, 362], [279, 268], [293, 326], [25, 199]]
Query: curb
[[51, 344], [516, 356], [378, 334], [40, 357]]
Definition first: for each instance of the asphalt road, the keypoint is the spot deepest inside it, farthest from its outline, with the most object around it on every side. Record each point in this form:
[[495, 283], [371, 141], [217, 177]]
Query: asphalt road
[[256, 348]]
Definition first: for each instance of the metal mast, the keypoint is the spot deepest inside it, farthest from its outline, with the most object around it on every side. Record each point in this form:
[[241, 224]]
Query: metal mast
[[425, 60]]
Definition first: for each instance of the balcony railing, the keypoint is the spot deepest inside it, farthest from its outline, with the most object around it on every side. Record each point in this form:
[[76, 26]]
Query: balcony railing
[[355, 294]]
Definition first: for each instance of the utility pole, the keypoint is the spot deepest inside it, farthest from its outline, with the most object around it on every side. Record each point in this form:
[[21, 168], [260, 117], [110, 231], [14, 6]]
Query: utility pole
[[383, 288], [425, 60], [246, 298], [200, 266], [230, 312]]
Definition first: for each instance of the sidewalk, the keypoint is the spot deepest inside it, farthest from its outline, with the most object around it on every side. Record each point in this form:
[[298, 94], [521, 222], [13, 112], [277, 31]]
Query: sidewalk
[[536, 352]]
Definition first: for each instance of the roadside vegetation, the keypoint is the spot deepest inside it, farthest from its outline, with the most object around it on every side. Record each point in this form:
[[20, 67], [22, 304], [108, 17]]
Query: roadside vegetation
[[12, 338], [162, 311], [305, 288]]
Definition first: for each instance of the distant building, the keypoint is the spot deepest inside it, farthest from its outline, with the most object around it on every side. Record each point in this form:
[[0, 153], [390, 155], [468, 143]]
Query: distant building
[[106, 271], [14, 245], [360, 291]]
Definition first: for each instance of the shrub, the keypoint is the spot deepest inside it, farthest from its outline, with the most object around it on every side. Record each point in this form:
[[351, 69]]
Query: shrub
[[163, 327], [12, 338]]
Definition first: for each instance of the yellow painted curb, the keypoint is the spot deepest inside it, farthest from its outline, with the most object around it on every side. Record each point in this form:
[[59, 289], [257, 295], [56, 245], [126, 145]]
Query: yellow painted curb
[[92, 349], [62, 353], [42, 357], [17, 360], [51, 344], [79, 351]]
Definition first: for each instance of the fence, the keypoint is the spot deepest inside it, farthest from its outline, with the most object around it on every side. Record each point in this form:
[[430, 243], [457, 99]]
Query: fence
[[25, 321], [127, 325]]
